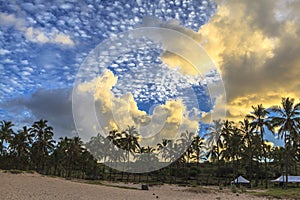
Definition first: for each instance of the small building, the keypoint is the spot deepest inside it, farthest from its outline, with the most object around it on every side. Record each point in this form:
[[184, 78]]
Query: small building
[[291, 179], [240, 180]]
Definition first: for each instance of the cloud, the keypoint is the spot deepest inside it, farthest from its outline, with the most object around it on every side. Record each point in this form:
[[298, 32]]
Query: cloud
[[38, 36], [4, 52], [192, 61], [10, 20], [256, 46], [167, 121], [34, 34], [183, 47], [52, 105]]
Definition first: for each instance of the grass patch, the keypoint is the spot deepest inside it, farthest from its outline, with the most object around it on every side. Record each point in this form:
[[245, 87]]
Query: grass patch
[[279, 193], [14, 171], [233, 189]]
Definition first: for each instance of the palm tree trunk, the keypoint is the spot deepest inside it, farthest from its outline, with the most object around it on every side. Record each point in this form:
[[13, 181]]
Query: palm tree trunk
[[265, 158], [250, 168], [233, 167], [218, 164], [266, 172], [286, 160], [187, 168], [170, 173]]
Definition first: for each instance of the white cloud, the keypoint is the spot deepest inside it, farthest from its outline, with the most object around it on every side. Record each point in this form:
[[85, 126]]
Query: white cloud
[[168, 120], [38, 36], [34, 34], [4, 52], [10, 20]]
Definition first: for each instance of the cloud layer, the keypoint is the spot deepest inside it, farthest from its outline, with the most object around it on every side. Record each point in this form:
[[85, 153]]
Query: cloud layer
[[34, 34], [256, 44]]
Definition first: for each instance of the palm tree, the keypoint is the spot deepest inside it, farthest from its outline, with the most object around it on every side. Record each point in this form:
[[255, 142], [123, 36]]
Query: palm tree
[[129, 141], [278, 155], [147, 155], [163, 149], [186, 142], [20, 146], [99, 146], [60, 155], [71, 156], [43, 143], [212, 153], [227, 130], [6, 132], [288, 120], [74, 153], [198, 149], [247, 145], [235, 148], [198, 146], [215, 141], [260, 120], [175, 155], [88, 164]]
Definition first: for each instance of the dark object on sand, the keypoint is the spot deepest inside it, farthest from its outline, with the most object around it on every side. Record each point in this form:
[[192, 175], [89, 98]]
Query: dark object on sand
[[145, 187]]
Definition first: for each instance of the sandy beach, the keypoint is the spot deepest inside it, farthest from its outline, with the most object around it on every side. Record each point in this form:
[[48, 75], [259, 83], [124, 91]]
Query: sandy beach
[[35, 186]]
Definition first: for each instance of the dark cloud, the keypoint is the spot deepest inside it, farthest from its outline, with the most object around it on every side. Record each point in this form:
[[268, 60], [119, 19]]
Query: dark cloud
[[53, 105]]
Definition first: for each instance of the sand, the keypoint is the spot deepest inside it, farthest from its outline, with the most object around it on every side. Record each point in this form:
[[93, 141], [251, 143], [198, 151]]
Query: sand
[[34, 186]]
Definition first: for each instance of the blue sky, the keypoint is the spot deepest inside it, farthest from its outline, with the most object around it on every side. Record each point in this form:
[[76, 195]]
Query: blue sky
[[43, 44]]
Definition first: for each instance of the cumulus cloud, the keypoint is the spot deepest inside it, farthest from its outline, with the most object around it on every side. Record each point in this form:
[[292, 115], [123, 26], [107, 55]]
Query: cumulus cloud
[[256, 46], [167, 121]]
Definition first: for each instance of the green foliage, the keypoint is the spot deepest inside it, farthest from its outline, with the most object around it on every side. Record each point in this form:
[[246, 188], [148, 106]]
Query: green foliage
[[14, 171], [233, 188], [220, 187], [243, 189], [278, 193], [236, 148]]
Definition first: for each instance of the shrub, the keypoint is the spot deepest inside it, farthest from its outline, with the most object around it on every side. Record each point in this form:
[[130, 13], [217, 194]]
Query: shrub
[[233, 189], [220, 187], [243, 189]]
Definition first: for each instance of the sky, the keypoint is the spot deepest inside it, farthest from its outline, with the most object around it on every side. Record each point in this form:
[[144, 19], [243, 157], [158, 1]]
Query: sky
[[254, 45]]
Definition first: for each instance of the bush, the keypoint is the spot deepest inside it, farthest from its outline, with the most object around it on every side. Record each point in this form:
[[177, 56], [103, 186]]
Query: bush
[[220, 187], [233, 189], [243, 189]]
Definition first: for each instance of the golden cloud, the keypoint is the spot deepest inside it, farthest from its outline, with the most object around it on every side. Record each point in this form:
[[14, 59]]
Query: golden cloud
[[256, 46], [167, 121]]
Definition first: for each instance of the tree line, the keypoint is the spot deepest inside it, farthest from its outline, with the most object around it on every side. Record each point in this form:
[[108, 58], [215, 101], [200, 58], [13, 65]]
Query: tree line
[[33, 148], [226, 150]]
